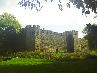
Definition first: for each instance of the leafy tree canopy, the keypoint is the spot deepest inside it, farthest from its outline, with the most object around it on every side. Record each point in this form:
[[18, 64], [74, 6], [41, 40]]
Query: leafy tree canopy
[[9, 21], [91, 35], [9, 31], [85, 5]]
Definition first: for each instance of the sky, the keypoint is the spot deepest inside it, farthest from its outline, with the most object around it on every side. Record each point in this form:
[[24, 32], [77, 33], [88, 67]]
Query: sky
[[50, 17]]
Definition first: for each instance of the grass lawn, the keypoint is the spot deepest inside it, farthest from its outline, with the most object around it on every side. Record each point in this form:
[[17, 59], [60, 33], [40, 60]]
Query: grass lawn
[[27, 65]]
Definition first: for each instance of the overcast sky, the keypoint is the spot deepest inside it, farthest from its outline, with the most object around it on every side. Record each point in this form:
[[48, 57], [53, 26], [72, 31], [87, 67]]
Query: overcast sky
[[50, 17]]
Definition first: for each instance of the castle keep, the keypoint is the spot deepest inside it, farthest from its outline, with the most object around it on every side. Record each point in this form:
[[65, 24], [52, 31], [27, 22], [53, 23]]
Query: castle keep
[[47, 40]]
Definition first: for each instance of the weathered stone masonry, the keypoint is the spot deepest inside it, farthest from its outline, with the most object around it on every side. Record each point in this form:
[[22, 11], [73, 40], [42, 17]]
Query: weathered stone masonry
[[47, 40]]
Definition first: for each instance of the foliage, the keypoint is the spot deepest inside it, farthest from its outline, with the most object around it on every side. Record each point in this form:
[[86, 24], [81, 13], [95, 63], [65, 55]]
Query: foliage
[[9, 30], [9, 21], [91, 35], [83, 44], [85, 5], [57, 57]]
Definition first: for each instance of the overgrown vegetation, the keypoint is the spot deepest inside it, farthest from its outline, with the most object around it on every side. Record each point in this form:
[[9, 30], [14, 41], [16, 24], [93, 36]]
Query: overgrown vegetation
[[52, 56]]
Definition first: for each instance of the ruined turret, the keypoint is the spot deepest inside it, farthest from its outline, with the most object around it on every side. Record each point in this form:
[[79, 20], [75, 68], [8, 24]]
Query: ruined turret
[[71, 38], [28, 31], [69, 41]]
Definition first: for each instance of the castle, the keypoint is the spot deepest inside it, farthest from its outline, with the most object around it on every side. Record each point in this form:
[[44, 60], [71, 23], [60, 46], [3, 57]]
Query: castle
[[47, 40]]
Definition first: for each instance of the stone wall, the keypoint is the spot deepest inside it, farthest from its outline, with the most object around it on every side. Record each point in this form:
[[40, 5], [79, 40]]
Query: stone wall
[[47, 40]]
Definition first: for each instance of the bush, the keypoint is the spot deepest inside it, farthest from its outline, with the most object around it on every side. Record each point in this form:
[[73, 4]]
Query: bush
[[59, 57]]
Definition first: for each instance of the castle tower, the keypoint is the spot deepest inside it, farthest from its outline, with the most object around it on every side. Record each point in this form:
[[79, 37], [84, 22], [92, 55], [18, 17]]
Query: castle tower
[[32, 37], [75, 36], [71, 38], [69, 41], [28, 31]]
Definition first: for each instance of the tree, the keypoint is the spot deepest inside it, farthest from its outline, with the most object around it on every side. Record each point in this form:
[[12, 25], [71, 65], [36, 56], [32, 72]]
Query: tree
[[9, 30], [91, 35], [85, 5], [8, 20]]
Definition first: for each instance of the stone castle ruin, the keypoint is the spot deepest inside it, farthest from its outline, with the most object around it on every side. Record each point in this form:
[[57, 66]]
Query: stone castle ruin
[[46, 40]]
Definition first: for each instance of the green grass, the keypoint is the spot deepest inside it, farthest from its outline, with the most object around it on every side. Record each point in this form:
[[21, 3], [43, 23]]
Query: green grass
[[24, 61], [30, 65], [28, 62]]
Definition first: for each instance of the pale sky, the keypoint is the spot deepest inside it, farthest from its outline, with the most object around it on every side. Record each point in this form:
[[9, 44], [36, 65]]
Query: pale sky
[[50, 17]]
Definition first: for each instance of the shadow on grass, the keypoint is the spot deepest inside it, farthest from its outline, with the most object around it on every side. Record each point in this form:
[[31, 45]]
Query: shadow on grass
[[73, 66]]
